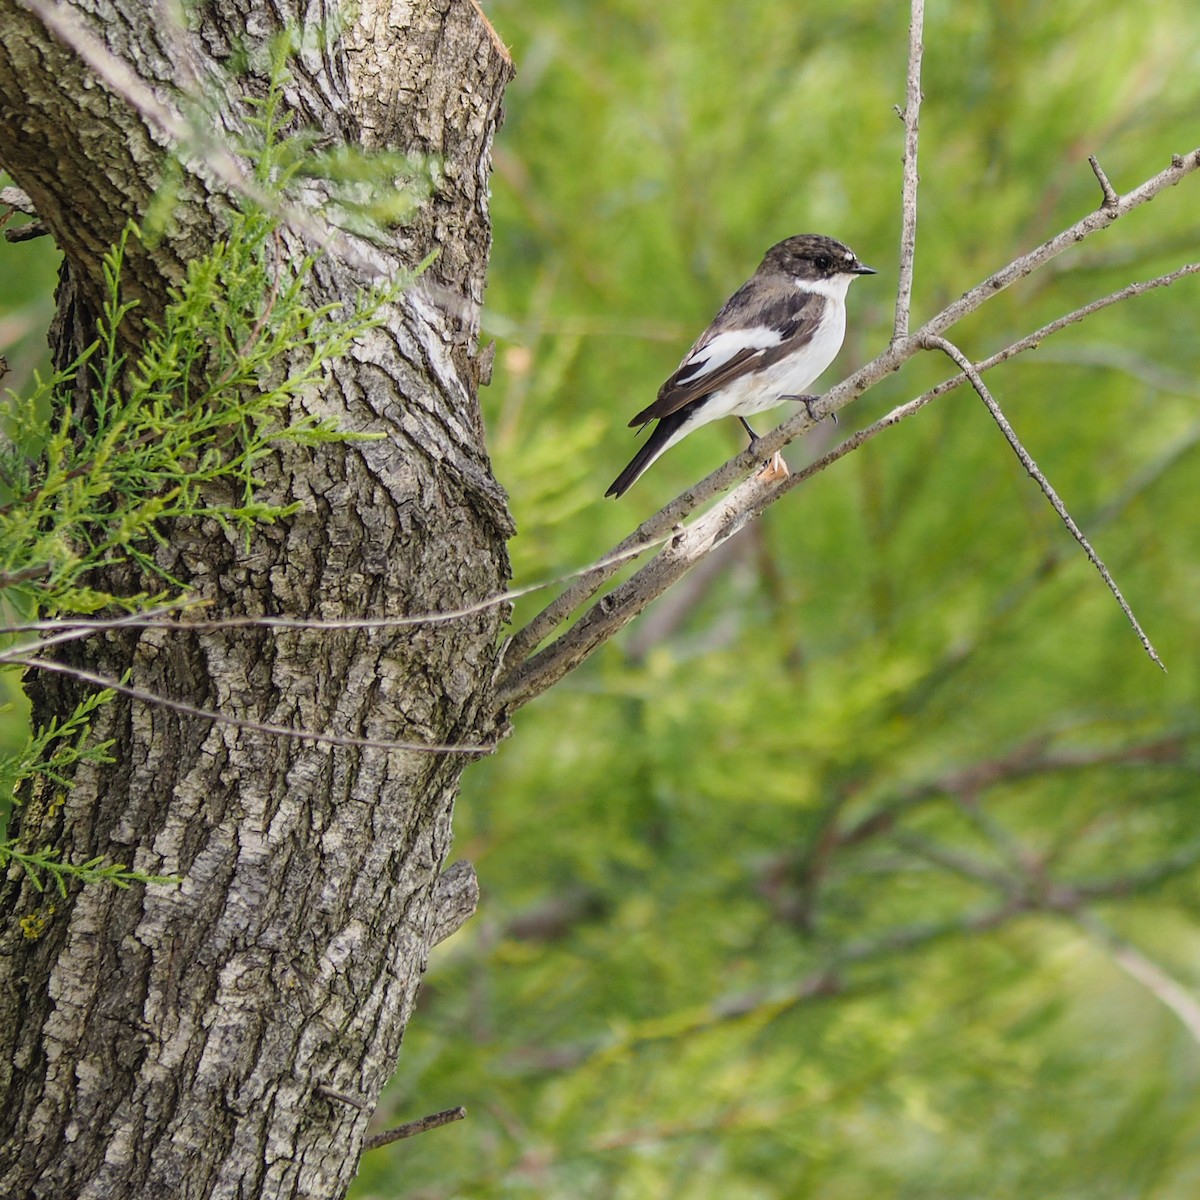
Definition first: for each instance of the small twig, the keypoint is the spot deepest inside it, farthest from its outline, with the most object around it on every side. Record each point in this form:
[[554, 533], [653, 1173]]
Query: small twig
[[412, 1128], [39, 571], [912, 114], [955, 862], [27, 232], [1031, 341], [70, 631], [1030, 758], [965, 365], [208, 714], [1111, 199], [352, 1101]]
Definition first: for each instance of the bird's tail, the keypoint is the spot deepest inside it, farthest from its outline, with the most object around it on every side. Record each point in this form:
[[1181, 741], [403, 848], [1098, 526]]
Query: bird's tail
[[665, 434]]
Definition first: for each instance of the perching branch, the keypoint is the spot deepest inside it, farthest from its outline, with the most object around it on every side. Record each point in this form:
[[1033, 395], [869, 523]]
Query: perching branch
[[912, 115], [530, 673]]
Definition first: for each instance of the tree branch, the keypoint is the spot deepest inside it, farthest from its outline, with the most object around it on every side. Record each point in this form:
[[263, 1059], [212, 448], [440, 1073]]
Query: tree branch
[[1109, 192], [1167, 990], [912, 115]]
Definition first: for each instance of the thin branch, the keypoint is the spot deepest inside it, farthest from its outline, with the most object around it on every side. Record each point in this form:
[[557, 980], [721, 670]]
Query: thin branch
[[208, 714], [71, 629], [1163, 987], [956, 863], [912, 115], [1033, 340], [530, 674], [1029, 342], [25, 575], [823, 981], [341, 1097], [412, 1128], [964, 363]]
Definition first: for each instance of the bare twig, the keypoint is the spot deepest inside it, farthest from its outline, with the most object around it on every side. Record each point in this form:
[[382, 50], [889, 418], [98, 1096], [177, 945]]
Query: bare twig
[[208, 714], [341, 1097], [37, 571], [912, 115], [1031, 757], [67, 629], [412, 1128], [1031, 341], [61, 631], [965, 365], [1110, 193], [27, 232]]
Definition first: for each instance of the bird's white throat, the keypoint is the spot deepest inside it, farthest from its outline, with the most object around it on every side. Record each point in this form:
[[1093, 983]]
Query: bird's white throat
[[834, 289]]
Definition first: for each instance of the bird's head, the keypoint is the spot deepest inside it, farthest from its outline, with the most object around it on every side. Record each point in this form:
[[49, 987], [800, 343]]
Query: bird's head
[[812, 257]]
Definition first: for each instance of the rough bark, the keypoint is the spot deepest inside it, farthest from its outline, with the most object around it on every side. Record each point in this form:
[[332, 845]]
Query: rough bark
[[229, 1037]]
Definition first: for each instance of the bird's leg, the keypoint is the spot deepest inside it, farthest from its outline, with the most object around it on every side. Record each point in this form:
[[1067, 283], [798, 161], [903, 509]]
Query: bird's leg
[[774, 467], [808, 402]]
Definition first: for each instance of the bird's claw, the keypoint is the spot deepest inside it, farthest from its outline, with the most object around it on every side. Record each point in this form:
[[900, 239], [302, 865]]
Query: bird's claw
[[808, 402]]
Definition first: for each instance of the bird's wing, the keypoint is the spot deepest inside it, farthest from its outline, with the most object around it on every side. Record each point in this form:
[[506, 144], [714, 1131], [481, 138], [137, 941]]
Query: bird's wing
[[722, 355]]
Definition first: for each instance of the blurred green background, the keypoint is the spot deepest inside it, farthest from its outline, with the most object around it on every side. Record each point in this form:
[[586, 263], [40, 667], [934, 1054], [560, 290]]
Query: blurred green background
[[761, 881], [863, 864]]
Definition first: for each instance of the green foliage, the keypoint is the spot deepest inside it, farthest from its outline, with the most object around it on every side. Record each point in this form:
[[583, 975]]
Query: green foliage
[[53, 752], [95, 870], [766, 885]]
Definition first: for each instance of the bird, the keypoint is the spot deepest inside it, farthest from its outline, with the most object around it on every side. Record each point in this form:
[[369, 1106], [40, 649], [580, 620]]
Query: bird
[[768, 343]]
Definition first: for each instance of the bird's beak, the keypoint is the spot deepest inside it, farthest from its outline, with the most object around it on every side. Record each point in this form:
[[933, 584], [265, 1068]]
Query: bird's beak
[[860, 269]]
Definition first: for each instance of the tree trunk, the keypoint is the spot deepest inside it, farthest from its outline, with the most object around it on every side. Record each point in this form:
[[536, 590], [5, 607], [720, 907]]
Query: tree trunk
[[230, 1036]]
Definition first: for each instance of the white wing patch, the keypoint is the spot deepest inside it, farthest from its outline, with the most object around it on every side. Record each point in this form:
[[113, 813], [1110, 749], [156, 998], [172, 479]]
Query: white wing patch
[[715, 353]]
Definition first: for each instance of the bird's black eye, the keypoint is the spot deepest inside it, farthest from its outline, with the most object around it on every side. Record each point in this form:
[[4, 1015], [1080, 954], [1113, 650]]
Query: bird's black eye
[[824, 262]]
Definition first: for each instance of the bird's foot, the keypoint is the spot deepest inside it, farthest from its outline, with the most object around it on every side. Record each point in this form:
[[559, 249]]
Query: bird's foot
[[808, 402], [774, 469]]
